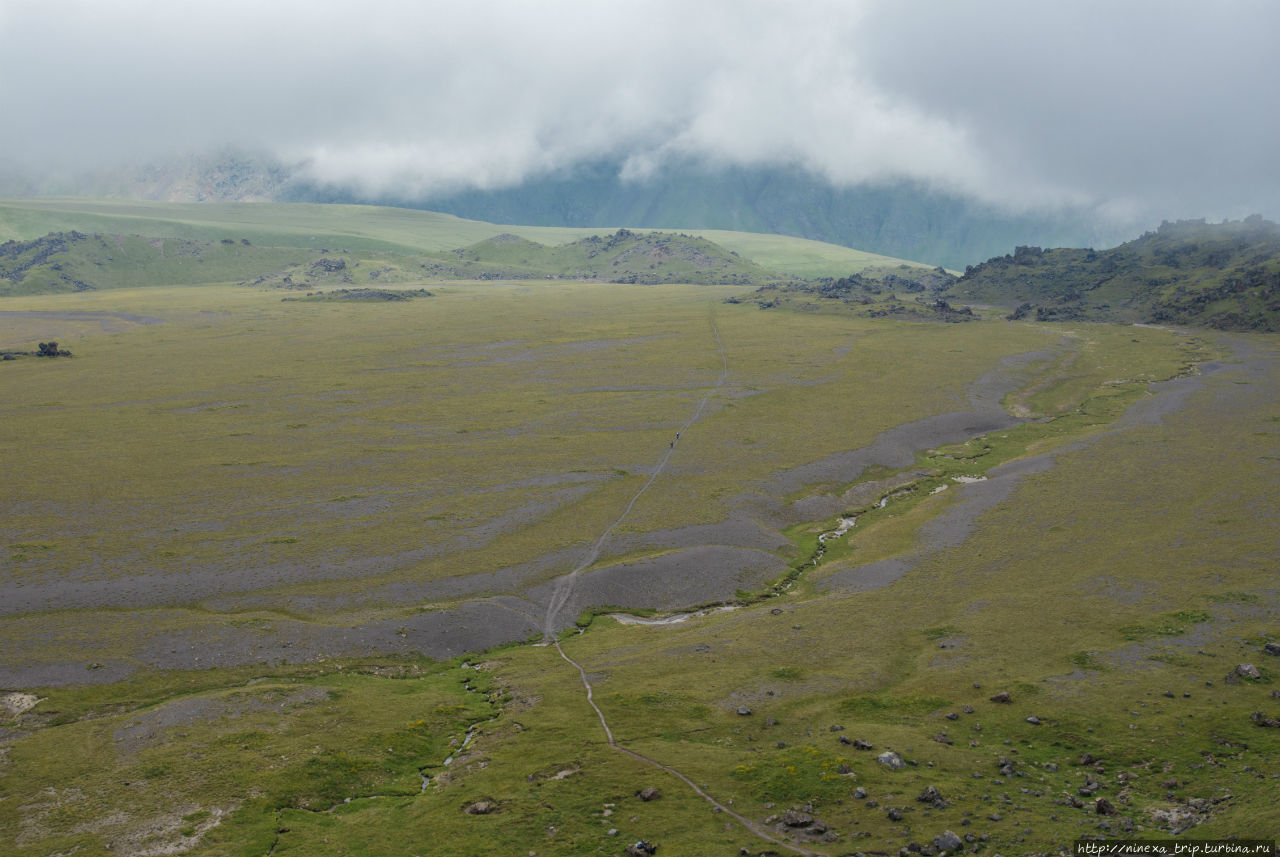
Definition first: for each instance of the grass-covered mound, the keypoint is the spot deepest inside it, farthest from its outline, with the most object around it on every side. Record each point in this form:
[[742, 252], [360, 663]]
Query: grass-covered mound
[[376, 231], [1224, 275], [76, 261]]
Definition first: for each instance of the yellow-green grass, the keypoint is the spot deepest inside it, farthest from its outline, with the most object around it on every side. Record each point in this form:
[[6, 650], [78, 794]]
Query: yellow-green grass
[[465, 433], [375, 228], [1082, 595]]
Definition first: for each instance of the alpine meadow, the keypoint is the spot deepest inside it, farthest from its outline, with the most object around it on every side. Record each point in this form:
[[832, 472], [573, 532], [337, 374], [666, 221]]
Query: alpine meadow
[[647, 429], [322, 550]]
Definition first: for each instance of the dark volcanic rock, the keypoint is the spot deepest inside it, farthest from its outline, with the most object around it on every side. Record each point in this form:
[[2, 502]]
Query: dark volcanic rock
[[947, 841], [931, 795]]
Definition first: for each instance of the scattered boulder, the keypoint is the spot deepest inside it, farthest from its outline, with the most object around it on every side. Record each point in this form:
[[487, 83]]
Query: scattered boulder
[[648, 793], [948, 841], [1003, 698], [1248, 671], [1272, 649], [894, 814], [931, 795], [641, 849], [796, 818], [744, 711], [481, 807], [860, 744], [942, 738], [1261, 719], [859, 793], [1104, 807], [1033, 720], [891, 760]]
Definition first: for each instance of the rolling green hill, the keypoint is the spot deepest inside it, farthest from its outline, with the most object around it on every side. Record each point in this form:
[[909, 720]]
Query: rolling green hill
[[76, 261], [1225, 276], [372, 229]]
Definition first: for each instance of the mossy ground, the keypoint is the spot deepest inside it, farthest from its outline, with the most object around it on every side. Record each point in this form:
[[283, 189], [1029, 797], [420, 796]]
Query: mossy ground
[[1140, 565]]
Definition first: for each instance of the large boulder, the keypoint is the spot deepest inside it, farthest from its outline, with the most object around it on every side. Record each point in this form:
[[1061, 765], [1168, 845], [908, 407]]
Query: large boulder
[[891, 760]]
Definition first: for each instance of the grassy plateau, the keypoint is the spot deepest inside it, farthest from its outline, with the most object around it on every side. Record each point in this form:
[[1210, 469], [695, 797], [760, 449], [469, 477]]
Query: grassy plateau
[[275, 574]]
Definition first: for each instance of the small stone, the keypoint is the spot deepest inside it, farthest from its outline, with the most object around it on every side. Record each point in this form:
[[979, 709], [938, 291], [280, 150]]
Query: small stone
[[837, 729], [777, 611], [1272, 649], [953, 716], [612, 831], [995, 816], [859, 793], [481, 807], [1104, 807], [942, 738], [1050, 767], [1248, 671], [1002, 698], [1033, 720], [968, 709], [743, 710], [894, 814], [648, 793], [860, 744]]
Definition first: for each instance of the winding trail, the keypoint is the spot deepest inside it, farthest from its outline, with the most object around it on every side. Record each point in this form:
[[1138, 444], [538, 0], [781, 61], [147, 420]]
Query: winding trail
[[564, 590], [564, 584]]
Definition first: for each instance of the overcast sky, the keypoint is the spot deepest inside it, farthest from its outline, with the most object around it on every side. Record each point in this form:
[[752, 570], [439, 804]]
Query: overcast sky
[[1167, 108]]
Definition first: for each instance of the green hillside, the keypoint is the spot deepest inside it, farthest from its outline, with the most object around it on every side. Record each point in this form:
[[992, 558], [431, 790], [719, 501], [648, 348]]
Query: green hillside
[[371, 229], [76, 261], [1225, 276]]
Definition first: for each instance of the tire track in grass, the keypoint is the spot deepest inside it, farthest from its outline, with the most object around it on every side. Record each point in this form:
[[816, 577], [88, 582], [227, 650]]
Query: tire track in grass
[[564, 590]]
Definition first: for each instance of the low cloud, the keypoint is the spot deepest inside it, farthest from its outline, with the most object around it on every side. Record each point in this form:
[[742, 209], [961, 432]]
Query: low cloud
[[1127, 107]]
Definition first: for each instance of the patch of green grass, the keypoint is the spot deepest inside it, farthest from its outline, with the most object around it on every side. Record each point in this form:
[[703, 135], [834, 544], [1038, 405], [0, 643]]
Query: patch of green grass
[[1086, 660], [939, 631], [1168, 625], [889, 708]]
